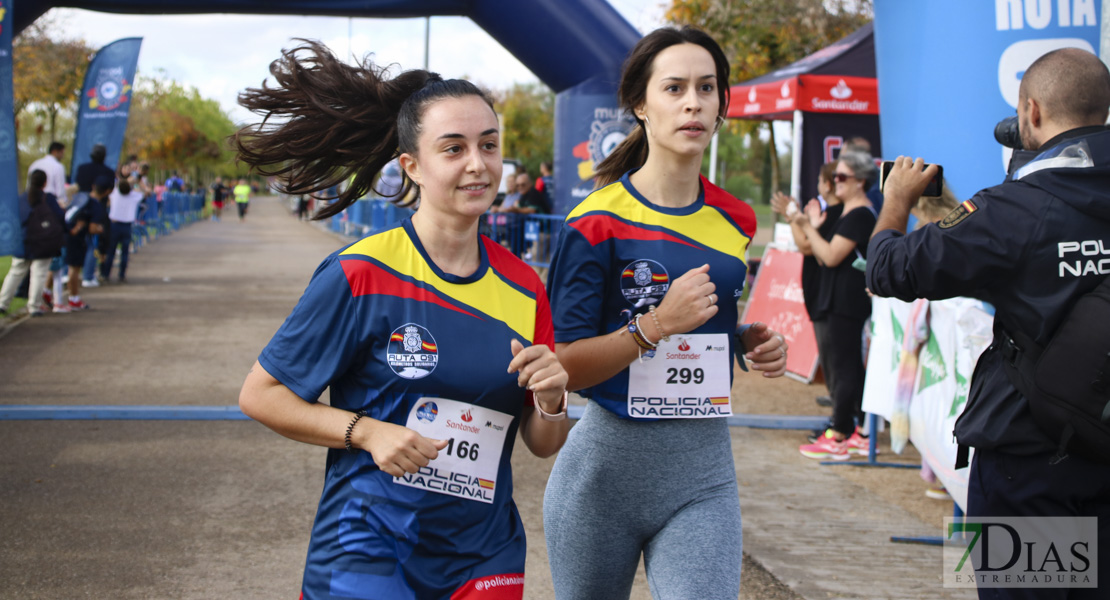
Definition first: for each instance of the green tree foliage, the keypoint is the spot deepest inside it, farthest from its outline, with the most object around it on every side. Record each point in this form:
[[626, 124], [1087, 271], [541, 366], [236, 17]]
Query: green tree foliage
[[759, 36], [170, 126], [47, 74], [742, 161], [174, 128], [527, 123]]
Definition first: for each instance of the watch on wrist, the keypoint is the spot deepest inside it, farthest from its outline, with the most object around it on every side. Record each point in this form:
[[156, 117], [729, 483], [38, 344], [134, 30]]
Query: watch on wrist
[[559, 416]]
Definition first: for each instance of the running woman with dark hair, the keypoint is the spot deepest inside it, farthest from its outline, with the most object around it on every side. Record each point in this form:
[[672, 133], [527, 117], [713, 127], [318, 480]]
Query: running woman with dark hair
[[436, 342], [644, 285]]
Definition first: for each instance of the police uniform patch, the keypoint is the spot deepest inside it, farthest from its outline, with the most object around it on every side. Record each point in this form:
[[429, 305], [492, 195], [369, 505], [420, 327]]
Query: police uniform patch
[[958, 214], [644, 282], [412, 352]]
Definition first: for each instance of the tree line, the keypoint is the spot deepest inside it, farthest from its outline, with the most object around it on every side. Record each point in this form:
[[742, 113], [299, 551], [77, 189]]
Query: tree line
[[174, 128], [170, 125]]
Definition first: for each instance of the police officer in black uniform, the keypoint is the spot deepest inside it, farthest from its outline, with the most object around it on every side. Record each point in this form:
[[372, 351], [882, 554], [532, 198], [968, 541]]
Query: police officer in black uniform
[[1025, 246]]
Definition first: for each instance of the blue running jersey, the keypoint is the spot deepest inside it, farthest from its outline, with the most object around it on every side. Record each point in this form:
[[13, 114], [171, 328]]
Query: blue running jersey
[[619, 252], [385, 328]]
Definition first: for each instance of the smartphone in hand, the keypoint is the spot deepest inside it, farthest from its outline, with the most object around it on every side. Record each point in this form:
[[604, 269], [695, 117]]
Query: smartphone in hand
[[932, 190]]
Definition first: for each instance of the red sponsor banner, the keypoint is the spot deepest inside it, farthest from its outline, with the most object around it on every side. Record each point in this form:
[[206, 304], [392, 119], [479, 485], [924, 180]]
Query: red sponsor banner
[[508, 586], [776, 300], [836, 94], [764, 99], [807, 93]]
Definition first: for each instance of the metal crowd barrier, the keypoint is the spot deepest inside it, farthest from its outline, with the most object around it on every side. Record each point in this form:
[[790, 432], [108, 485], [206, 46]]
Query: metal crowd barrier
[[367, 216], [180, 209], [161, 218], [531, 237]]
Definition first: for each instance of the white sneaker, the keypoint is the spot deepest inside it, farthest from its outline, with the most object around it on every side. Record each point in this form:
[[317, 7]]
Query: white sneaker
[[90, 283]]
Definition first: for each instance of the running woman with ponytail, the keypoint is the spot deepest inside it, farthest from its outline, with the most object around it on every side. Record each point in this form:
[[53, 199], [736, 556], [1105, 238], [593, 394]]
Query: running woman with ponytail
[[644, 287], [435, 341]]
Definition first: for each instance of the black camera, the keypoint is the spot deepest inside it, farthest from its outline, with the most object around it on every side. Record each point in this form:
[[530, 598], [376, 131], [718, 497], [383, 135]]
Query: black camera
[[1006, 133]]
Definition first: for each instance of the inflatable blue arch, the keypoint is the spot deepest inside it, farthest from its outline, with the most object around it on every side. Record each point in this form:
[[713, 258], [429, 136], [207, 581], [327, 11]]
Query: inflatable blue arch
[[575, 47]]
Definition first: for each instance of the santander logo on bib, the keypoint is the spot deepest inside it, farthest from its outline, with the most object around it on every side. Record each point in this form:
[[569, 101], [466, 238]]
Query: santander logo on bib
[[683, 345], [466, 416]]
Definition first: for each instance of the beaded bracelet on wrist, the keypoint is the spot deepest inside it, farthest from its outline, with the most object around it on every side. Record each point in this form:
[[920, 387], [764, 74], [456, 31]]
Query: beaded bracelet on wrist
[[663, 337], [350, 429]]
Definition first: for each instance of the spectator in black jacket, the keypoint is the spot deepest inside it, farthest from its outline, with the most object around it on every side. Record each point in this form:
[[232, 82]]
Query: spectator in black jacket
[[40, 228], [89, 172]]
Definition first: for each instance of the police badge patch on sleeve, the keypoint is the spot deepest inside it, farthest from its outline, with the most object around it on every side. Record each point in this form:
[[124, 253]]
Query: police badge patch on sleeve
[[958, 214]]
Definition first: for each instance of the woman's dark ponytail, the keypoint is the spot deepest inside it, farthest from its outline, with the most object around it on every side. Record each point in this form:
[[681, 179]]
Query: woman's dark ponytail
[[36, 187], [327, 122], [629, 154]]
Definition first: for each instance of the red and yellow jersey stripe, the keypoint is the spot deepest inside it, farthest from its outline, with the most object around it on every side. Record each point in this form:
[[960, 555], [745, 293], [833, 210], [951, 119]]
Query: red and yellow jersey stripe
[[501, 295]]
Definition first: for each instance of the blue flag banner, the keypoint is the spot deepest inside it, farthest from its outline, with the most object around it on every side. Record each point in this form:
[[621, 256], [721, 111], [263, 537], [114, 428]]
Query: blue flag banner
[[590, 124], [949, 70], [11, 236], [105, 101]]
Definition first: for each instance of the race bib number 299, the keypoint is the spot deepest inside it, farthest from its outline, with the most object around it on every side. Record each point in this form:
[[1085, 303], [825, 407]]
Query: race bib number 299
[[689, 378]]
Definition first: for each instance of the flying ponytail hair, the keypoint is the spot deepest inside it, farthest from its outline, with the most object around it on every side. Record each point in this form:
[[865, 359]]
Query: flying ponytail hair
[[327, 122], [632, 93]]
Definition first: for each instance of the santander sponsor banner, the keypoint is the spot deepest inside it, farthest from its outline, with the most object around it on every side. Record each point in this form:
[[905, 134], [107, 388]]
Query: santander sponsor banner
[[776, 96], [836, 94], [776, 299], [808, 93]]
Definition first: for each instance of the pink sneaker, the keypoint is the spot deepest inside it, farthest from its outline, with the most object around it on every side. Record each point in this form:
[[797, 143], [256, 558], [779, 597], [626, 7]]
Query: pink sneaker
[[857, 444], [826, 447], [77, 304]]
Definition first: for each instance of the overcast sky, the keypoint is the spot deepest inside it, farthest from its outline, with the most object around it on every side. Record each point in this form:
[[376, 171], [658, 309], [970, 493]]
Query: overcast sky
[[221, 55]]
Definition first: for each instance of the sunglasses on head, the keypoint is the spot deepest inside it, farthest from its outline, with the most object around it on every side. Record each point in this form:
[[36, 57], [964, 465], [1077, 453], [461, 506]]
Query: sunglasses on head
[[842, 177]]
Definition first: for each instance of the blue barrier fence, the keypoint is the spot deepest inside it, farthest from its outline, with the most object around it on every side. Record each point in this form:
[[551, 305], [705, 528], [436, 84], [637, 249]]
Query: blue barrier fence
[[368, 216], [530, 237], [162, 218]]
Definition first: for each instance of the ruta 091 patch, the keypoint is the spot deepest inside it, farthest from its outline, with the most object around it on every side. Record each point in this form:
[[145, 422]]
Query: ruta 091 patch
[[958, 214]]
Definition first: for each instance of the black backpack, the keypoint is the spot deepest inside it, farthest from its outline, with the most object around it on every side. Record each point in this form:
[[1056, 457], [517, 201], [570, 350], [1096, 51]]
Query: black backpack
[[1067, 382], [44, 234]]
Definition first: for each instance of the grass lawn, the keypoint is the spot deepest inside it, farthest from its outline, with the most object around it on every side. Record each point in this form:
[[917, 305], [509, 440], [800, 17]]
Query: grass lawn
[[765, 220], [763, 214], [17, 303]]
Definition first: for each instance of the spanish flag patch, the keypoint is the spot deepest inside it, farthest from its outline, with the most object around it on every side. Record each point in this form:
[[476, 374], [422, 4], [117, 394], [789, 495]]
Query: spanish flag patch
[[958, 214]]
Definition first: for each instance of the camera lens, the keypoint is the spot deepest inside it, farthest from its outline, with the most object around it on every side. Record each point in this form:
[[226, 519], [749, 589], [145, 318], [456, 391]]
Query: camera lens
[[1006, 133]]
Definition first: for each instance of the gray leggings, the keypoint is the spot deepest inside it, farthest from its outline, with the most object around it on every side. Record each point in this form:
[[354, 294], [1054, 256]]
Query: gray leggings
[[665, 488]]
